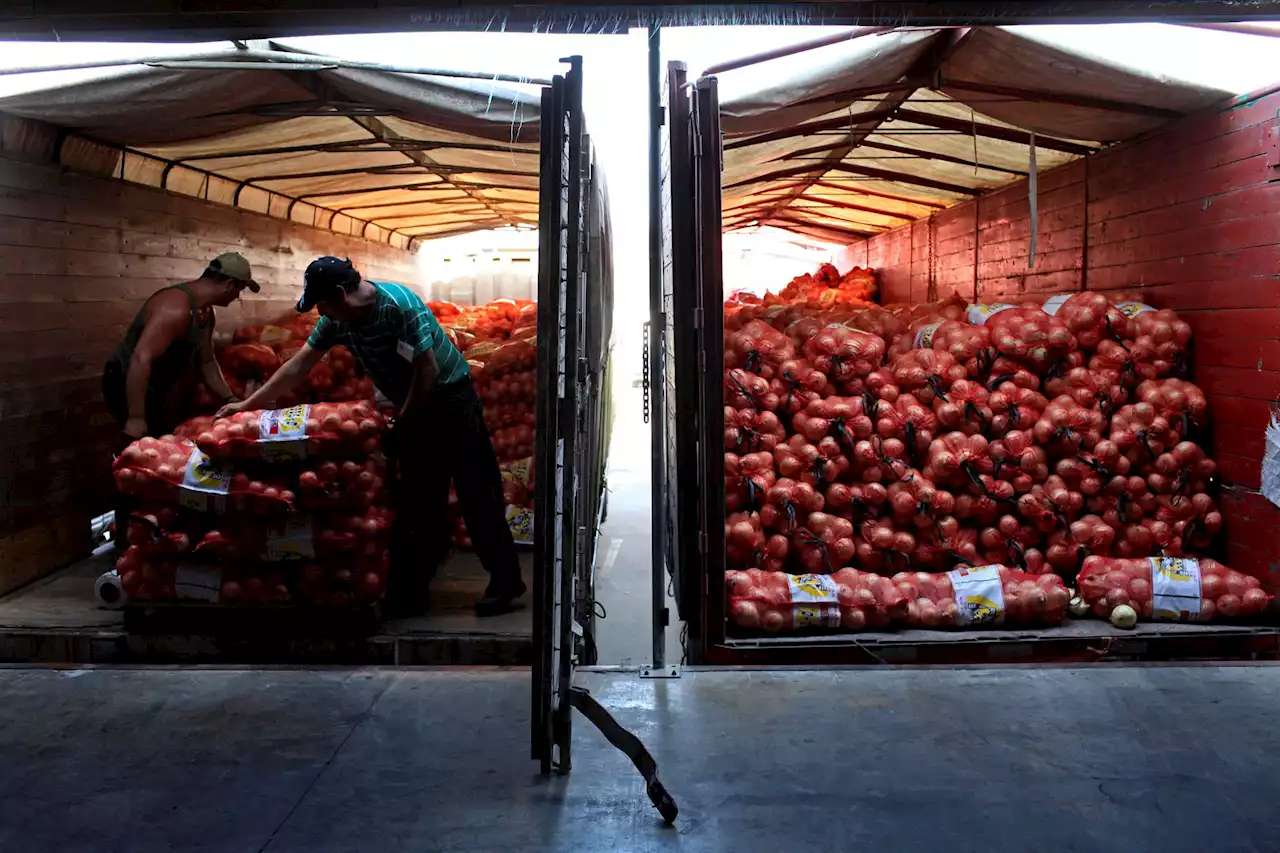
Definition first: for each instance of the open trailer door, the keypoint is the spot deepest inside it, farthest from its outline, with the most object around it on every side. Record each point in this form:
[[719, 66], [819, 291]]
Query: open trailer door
[[574, 296], [673, 376]]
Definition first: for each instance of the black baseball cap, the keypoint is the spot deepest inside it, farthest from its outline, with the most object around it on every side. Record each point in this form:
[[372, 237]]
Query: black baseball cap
[[325, 277]]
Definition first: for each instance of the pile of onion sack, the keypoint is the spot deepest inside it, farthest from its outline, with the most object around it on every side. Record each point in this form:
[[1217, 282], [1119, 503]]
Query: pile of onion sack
[[264, 507], [974, 457], [255, 353]]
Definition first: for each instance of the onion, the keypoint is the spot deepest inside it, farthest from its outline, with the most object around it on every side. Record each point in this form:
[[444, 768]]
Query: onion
[[1124, 617]]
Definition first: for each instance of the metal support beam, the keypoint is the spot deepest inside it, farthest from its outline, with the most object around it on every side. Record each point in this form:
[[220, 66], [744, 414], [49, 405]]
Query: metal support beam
[[991, 131], [846, 122], [903, 178], [1071, 100], [791, 50]]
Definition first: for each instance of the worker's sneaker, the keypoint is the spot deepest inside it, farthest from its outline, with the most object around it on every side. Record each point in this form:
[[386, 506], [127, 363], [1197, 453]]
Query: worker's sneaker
[[499, 598]]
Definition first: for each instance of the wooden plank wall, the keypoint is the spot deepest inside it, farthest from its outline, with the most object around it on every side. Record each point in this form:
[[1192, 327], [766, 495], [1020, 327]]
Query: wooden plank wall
[[1190, 220], [81, 255]]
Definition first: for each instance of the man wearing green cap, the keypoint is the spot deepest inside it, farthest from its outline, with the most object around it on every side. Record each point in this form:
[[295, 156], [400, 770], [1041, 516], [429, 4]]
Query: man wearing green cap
[[172, 333]]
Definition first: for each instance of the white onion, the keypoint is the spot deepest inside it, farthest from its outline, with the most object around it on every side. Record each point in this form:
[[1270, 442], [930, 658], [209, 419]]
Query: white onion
[[1124, 616]]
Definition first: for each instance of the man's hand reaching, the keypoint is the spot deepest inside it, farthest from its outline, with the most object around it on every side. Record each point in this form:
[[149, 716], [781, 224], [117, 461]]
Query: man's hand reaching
[[230, 409]]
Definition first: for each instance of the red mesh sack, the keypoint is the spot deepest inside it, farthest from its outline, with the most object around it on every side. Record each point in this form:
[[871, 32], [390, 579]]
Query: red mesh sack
[[1126, 362], [845, 419], [169, 470], [916, 500], [1011, 541], [1019, 461], [1090, 316], [1066, 428], [881, 546], [759, 348], [1179, 402], [969, 345], [878, 460], [1162, 334], [250, 361], [746, 390], [879, 322], [1141, 433], [956, 458], [746, 479], [1013, 407], [787, 503], [797, 385], [824, 543], [1089, 389], [847, 599], [749, 431], [928, 374], [1171, 589], [1195, 521], [344, 582], [816, 464], [332, 485], [1051, 505], [1183, 470], [856, 500], [908, 420], [984, 597], [299, 432], [1087, 536], [744, 540], [301, 536], [964, 408], [1032, 337], [162, 530], [845, 356]]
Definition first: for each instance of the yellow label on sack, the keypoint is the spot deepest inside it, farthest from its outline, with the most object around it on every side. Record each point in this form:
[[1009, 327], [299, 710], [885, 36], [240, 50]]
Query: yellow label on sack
[[812, 589], [1133, 309], [274, 335], [518, 472], [283, 433], [828, 296], [924, 337], [816, 616], [979, 594], [294, 540], [520, 521], [979, 314], [204, 483], [1175, 588]]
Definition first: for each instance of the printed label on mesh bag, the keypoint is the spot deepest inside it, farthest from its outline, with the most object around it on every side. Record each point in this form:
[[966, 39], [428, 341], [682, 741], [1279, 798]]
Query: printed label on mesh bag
[[979, 594], [293, 540], [924, 337], [283, 433], [194, 582], [1053, 303], [1133, 309], [274, 335], [520, 520], [1175, 589], [205, 484], [815, 602], [979, 314]]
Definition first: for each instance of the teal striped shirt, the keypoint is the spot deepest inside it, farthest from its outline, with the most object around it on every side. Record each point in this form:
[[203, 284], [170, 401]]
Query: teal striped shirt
[[401, 329]]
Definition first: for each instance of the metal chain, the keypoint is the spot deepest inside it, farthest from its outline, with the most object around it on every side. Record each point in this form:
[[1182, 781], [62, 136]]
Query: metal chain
[[644, 382], [933, 266]]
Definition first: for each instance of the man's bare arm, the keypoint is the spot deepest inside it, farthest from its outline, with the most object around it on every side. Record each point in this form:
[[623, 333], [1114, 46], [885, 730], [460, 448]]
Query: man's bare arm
[[168, 319], [282, 382]]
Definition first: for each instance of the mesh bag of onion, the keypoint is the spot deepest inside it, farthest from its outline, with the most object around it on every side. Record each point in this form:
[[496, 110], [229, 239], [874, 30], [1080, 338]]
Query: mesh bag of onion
[[298, 432], [1176, 589], [175, 471], [847, 599], [986, 596]]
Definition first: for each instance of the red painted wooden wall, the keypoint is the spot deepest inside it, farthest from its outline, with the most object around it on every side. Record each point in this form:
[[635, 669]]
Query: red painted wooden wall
[[1188, 217]]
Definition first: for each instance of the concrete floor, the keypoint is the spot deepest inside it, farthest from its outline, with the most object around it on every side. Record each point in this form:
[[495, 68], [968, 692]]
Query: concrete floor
[[270, 761]]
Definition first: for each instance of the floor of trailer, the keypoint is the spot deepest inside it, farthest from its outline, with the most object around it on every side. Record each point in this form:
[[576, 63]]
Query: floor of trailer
[[1173, 758], [57, 620]]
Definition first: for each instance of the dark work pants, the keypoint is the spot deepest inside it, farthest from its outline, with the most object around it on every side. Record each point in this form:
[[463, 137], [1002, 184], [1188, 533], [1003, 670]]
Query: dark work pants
[[448, 440], [160, 421]]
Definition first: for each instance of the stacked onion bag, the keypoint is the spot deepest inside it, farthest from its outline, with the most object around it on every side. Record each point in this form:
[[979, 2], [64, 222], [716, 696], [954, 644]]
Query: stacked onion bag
[[892, 447]]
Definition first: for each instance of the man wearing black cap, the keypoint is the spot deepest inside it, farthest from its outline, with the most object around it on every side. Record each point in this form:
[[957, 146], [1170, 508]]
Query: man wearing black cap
[[438, 435]]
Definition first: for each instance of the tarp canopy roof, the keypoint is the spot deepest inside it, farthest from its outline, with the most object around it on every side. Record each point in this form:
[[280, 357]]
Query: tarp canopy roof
[[881, 126], [343, 145]]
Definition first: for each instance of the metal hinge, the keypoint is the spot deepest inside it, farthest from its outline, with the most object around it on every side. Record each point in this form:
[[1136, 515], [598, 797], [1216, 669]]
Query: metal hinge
[[697, 318], [1273, 152], [671, 670], [702, 542]]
